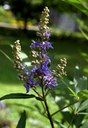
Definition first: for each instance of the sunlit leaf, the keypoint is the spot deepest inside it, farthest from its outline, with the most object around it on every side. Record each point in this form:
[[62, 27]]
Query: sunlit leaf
[[25, 59], [27, 64], [23, 55], [22, 121], [83, 113]]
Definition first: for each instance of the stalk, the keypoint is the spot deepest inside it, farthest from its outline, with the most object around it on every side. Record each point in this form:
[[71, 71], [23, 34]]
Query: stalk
[[47, 110]]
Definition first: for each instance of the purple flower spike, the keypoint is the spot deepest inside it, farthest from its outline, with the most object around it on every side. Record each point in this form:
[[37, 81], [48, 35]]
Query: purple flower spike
[[40, 74]]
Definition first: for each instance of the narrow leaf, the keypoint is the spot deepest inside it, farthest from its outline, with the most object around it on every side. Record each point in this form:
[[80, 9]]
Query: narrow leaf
[[83, 94], [73, 93], [22, 121], [79, 5], [19, 96], [83, 106], [84, 34], [83, 113], [6, 56]]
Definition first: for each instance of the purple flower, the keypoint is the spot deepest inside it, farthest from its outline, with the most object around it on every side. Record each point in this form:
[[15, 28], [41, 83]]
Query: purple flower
[[47, 34], [50, 80], [35, 44], [27, 86], [23, 71], [42, 69], [32, 80], [46, 45], [45, 67], [26, 71], [38, 72]]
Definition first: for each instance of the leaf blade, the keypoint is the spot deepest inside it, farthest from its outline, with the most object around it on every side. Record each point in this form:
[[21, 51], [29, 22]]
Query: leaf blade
[[22, 121], [83, 106], [19, 96], [83, 94]]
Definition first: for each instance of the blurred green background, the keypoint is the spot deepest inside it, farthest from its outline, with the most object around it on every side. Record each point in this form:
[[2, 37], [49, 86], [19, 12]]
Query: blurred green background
[[19, 20]]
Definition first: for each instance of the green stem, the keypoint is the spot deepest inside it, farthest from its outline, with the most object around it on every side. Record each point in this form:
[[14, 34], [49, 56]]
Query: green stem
[[48, 114], [47, 109], [37, 92], [64, 108]]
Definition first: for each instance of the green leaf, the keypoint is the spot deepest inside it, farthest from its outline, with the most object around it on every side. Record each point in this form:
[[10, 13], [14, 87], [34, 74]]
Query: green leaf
[[22, 121], [83, 113], [83, 106], [83, 94], [79, 4], [19, 96], [84, 34], [25, 59], [85, 125], [80, 83], [73, 93], [6, 56]]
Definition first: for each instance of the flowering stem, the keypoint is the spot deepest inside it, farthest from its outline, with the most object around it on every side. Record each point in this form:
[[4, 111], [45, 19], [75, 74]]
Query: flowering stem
[[48, 114], [36, 92], [47, 109], [65, 107]]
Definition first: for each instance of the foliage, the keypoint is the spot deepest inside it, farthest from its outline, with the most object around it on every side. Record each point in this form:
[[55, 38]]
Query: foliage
[[82, 7], [22, 121], [79, 4]]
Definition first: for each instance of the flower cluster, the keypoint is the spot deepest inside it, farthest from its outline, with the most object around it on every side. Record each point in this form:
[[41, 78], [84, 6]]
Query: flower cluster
[[41, 74], [60, 69], [23, 71]]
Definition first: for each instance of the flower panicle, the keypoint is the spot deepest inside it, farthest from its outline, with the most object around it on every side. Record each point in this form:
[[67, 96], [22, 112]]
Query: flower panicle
[[16, 52], [41, 73], [21, 68], [44, 31], [60, 69], [40, 46]]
